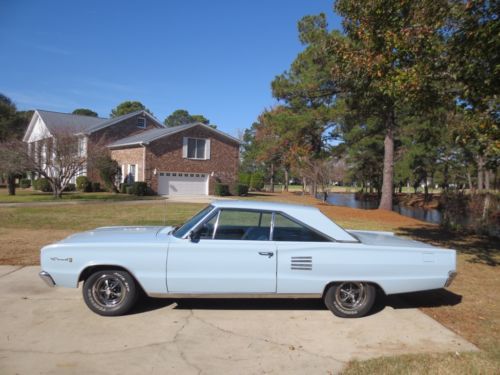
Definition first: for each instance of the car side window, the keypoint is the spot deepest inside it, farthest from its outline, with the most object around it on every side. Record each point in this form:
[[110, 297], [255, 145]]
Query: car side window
[[286, 229], [206, 231], [243, 225]]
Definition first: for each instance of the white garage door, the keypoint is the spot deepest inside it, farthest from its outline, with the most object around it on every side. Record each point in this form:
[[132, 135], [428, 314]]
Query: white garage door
[[181, 183]]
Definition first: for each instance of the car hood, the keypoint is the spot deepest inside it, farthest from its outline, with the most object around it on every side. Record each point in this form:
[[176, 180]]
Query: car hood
[[117, 234], [386, 239]]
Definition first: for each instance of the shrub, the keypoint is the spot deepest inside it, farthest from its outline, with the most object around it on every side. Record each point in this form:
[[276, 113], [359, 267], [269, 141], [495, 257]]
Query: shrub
[[123, 188], [70, 187], [83, 184], [222, 190], [244, 178], [129, 189], [109, 170], [96, 187], [257, 181], [25, 183], [42, 184], [241, 189], [140, 188]]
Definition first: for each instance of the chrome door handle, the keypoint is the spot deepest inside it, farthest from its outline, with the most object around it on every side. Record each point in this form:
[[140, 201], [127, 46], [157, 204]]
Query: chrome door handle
[[269, 254]]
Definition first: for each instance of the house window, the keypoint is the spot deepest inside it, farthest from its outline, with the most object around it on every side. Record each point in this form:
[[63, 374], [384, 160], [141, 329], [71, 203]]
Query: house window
[[141, 122], [82, 146], [131, 173], [196, 148]]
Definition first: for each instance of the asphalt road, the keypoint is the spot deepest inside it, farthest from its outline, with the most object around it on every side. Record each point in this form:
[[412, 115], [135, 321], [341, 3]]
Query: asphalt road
[[50, 331]]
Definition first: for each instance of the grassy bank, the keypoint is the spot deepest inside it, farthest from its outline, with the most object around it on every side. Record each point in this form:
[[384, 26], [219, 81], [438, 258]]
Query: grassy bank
[[470, 307]]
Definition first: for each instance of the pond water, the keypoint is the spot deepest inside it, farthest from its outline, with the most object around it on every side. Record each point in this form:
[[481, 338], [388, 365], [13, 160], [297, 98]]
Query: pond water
[[349, 200]]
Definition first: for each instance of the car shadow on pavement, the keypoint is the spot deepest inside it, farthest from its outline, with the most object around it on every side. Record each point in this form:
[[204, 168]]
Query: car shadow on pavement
[[432, 298], [149, 304], [428, 298]]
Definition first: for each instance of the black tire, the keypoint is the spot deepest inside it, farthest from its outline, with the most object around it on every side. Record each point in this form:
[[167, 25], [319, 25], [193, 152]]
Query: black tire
[[110, 292], [350, 299]]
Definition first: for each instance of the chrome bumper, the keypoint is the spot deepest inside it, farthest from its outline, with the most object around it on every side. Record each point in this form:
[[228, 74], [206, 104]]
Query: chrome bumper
[[45, 276], [451, 277]]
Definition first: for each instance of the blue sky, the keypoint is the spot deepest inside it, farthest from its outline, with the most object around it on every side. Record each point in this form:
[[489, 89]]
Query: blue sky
[[215, 58]]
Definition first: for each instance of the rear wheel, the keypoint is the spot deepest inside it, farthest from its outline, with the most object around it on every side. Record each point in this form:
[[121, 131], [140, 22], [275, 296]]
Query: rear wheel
[[350, 299], [110, 292]]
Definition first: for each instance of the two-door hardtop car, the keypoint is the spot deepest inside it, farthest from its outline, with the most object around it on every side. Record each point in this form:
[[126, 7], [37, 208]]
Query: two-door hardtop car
[[245, 249]]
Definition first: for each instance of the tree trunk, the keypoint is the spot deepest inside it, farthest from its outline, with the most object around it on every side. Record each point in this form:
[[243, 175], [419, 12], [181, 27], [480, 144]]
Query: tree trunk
[[486, 205], [56, 190], [426, 189], [469, 180], [487, 179], [480, 173], [272, 178], [314, 188], [386, 199], [11, 183], [286, 179]]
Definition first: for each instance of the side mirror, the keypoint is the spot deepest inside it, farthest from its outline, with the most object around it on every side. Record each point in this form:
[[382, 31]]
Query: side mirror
[[194, 236]]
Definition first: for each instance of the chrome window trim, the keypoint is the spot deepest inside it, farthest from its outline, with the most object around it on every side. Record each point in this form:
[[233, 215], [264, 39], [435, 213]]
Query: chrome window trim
[[219, 210], [216, 224], [199, 222], [272, 227]]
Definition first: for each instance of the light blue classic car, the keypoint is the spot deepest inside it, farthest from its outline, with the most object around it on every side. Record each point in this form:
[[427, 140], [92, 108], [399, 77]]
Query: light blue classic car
[[245, 249]]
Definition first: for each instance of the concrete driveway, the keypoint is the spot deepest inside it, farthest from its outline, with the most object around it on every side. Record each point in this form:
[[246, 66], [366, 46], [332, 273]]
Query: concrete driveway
[[50, 331]]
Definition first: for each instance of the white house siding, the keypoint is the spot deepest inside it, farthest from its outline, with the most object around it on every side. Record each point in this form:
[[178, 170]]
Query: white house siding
[[40, 131]]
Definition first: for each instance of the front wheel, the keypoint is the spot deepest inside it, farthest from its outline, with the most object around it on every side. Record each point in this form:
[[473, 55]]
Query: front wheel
[[110, 292], [350, 299]]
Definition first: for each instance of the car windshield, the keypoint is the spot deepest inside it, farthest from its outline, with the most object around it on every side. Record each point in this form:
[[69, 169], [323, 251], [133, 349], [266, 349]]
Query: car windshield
[[188, 225]]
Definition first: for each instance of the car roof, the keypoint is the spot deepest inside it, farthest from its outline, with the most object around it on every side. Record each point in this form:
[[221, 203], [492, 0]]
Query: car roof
[[262, 205], [308, 215]]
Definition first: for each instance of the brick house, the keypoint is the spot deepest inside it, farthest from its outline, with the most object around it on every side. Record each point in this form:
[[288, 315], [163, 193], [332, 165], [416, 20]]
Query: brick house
[[187, 159]]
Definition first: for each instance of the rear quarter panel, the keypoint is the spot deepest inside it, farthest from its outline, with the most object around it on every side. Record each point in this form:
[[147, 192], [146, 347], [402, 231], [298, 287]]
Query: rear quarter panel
[[395, 270]]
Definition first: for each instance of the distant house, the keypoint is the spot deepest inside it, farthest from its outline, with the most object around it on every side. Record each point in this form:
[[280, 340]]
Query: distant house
[[183, 160]]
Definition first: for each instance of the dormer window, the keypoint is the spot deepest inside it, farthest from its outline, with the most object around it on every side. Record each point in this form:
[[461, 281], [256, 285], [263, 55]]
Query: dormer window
[[141, 122]]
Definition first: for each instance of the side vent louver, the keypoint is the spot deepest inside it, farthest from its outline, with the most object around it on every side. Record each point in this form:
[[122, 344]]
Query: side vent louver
[[301, 263]]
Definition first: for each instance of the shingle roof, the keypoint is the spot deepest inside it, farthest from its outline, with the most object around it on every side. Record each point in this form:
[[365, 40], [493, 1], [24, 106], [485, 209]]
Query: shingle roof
[[57, 122], [114, 120], [151, 135]]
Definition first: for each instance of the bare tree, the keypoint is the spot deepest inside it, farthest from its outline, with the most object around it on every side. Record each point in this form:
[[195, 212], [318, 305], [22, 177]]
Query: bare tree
[[58, 159], [318, 172]]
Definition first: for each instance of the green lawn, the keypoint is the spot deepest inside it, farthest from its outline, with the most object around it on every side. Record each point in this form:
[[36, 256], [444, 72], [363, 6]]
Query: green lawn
[[92, 215], [28, 195]]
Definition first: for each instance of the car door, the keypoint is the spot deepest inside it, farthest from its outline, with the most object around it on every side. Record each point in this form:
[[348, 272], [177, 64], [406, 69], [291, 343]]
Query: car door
[[230, 252]]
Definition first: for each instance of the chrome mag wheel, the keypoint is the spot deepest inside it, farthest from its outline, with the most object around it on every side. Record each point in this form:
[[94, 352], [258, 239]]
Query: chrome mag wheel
[[109, 291], [351, 296]]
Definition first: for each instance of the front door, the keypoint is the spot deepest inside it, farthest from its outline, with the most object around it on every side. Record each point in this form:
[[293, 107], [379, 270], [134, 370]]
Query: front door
[[231, 253]]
